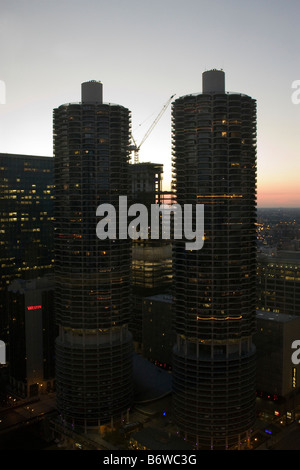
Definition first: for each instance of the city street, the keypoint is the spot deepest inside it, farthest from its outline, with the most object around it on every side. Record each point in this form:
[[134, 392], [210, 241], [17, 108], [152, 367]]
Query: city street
[[22, 413], [290, 439], [287, 439]]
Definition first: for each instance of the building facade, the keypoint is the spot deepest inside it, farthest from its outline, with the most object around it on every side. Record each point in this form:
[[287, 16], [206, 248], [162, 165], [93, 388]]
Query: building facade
[[92, 301], [158, 330], [151, 259], [32, 333], [278, 282], [26, 222], [277, 379], [146, 182], [214, 163]]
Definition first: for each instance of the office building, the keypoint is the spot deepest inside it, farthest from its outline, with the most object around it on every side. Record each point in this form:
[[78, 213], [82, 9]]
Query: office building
[[278, 282], [32, 333], [158, 330], [146, 182], [214, 163], [26, 222], [151, 274], [277, 379], [151, 259], [92, 276]]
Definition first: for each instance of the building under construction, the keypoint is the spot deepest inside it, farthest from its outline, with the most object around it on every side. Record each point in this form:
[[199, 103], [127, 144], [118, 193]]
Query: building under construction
[[151, 259]]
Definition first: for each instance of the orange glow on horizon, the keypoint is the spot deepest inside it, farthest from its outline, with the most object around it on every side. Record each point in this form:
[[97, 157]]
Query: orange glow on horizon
[[274, 194]]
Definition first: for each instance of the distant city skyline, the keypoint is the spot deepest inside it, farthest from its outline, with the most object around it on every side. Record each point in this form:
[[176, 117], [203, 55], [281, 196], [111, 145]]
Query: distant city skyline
[[145, 52]]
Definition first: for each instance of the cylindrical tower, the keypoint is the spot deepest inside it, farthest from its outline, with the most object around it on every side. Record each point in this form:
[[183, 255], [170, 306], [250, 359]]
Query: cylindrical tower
[[92, 295], [214, 163], [213, 81], [92, 92]]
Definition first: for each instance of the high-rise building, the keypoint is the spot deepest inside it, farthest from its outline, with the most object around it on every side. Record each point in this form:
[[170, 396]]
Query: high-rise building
[[277, 378], [92, 276], [26, 221], [151, 259], [278, 282], [32, 333], [146, 182], [158, 331], [214, 163]]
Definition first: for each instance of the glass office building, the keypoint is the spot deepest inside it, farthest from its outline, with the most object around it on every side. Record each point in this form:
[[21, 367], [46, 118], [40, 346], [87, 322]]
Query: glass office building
[[26, 221]]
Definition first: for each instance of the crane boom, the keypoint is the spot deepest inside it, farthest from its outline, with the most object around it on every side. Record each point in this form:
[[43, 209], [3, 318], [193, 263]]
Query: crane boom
[[136, 148]]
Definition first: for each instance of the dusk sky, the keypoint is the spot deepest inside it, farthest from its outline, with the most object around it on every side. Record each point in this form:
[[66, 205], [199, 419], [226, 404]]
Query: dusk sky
[[145, 51]]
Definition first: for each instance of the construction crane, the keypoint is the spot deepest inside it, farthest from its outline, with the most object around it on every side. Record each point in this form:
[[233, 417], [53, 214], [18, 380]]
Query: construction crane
[[136, 148]]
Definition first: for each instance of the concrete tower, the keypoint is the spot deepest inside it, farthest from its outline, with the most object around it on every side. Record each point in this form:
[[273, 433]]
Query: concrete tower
[[94, 347], [214, 163]]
